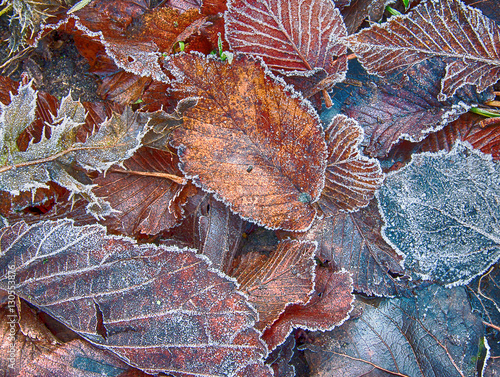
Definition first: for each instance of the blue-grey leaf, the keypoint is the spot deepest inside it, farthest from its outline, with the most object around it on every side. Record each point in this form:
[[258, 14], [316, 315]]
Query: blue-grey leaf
[[434, 334], [442, 212]]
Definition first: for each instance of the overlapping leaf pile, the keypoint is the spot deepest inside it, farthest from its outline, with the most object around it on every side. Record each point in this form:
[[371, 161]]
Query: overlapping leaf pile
[[137, 223]]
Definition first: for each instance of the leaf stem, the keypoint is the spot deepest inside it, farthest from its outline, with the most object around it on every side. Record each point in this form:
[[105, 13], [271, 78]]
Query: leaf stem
[[484, 112], [172, 177]]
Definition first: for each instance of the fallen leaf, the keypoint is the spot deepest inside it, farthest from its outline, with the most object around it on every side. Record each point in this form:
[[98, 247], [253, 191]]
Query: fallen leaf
[[402, 106], [160, 309], [360, 11], [16, 348], [466, 128], [280, 358], [259, 148], [77, 359], [145, 192], [289, 36], [123, 87], [350, 178], [272, 283], [220, 232], [460, 35], [53, 159], [432, 334], [329, 307], [440, 212], [353, 242]]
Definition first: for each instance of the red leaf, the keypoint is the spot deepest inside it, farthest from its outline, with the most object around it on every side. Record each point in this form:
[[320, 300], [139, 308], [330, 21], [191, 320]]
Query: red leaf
[[292, 35], [329, 307], [148, 200], [351, 178], [260, 149], [285, 277], [157, 308]]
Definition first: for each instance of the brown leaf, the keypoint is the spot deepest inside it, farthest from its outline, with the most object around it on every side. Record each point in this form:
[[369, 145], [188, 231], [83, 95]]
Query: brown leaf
[[220, 232], [16, 348], [290, 35], [148, 200], [77, 359], [329, 307], [7, 86], [352, 241], [466, 128], [259, 148], [285, 277], [351, 178], [157, 308], [461, 35]]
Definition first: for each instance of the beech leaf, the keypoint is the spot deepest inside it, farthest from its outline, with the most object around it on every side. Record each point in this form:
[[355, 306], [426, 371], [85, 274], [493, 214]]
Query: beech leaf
[[461, 35], [259, 148], [271, 283], [441, 212], [351, 178], [160, 309], [51, 159], [433, 334], [290, 35]]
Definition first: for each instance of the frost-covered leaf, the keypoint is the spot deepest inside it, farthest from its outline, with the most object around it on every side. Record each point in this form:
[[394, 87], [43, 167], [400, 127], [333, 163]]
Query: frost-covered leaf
[[329, 307], [148, 192], [259, 148], [157, 308], [136, 36], [350, 178], [271, 283], [441, 211], [17, 348], [289, 35], [466, 128], [403, 106], [280, 358], [353, 242], [460, 35], [433, 334], [53, 159]]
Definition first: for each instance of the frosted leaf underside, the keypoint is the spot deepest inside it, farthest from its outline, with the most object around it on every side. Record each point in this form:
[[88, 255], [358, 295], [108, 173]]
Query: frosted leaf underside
[[162, 308], [442, 212], [468, 41], [289, 35], [258, 148]]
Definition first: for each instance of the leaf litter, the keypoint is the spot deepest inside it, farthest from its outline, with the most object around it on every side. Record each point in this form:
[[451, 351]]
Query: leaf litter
[[219, 148]]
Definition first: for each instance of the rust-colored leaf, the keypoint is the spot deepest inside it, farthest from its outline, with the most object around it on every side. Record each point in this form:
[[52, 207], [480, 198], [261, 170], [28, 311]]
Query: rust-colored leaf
[[160, 309], [329, 307], [290, 35], [145, 193], [123, 87], [351, 178], [259, 148], [220, 232], [461, 35], [272, 283], [466, 128]]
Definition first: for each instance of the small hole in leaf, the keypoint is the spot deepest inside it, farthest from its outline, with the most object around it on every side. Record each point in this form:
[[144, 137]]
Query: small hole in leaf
[[130, 59]]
